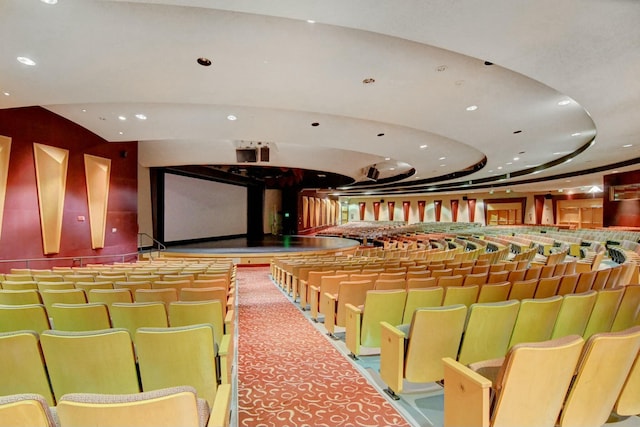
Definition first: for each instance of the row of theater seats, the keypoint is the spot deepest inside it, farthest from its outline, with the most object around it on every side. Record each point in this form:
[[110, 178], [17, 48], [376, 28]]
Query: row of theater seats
[[90, 377], [562, 382]]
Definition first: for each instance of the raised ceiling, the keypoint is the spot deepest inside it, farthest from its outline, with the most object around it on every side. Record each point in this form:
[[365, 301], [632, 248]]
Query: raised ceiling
[[437, 95]]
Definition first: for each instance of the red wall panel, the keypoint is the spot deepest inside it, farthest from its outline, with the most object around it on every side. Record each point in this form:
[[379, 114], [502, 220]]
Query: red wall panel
[[625, 213], [21, 236]]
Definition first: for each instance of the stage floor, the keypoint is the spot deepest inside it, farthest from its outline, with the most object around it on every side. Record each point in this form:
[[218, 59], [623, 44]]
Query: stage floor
[[269, 244]]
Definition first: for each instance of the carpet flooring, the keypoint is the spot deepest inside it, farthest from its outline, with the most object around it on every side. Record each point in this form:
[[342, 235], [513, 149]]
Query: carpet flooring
[[289, 374]]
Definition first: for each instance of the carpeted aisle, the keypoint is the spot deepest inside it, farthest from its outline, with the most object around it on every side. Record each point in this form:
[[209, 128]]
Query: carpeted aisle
[[288, 372]]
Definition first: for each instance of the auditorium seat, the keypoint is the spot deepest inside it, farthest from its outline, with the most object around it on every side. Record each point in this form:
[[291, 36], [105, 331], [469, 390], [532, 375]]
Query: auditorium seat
[[363, 323], [602, 370], [313, 280], [494, 292], [164, 296], [628, 312], [131, 316], [29, 317], [169, 357], [522, 395], [79, 317], [601, 279], [628, 402], [19, 285], [318, 294], [87, 286], [90, 362], [420, 360], [28, 296], [568, 284], [22, 366], [19, 277], [547, 287], [614, 275], [465, 295], [349, 292], [517, 275], [55, 285], [174, 406], [585, 281], [109, 296], [523, 289], [604, 311], [536, 319], [574, 314], [475, 279], [498, 276], [446, 281], [488, 331], [132, 286], [78, 278], [389, 284], [62, 296], [25, 410], [420, 283], [421, 297], [533, 273]]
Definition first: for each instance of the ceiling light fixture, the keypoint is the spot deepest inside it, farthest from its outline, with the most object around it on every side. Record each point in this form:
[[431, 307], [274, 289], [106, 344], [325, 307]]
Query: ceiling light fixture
[[472, 108], [49, 1], [231, 117], [381, 134], [576, 134], [205, 62], [564, 102], [387, 158], [314, 124], [423, 146], [442, 158], [123, 118], [515, 159], [26, 61], [141, 116], [311, 21], [517, 131], [595, 189], [627, 145], [6, 93]]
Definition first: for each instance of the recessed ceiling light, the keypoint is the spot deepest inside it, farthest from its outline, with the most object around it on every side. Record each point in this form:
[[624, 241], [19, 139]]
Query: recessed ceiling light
[[491, 171], [508, 190], [49, 1], [564, 102], [205, 62], [120, 132], [84, 110], [442, 165], [311, 21], [515, 159], [314, 124], [392, 169], [576, 134], [231, 117], [423, 146], [123, 118], [141, 116], [321, 175], [442, 158], [499, 167], [627, 145], [6, 93], [387, 158], [509, 163], [560, 190], [26, 61], [381, 134], [472, 108]]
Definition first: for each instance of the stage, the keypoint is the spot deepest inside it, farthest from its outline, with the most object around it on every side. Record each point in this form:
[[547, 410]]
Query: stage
[[244, 251]]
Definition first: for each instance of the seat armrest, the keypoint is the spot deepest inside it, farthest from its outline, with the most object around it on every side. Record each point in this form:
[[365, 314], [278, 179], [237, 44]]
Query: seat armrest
[[221, 411], [392, 356], [353, 325], [466, 396], [329, 309]]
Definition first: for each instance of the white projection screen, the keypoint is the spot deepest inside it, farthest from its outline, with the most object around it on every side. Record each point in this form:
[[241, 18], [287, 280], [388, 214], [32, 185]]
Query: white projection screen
[[200, 209]]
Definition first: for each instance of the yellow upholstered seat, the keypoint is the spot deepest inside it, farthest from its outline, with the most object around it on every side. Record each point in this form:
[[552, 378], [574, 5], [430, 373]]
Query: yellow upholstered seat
[[416, 298], [169, 357], [628, 402], [164, 296], [90, 362], [529, 388], [21, 297], [25, 410], [79, 317], [19, 285], [62, 296], [568, 284], [109, 296], [131, 316], [547, 287], [466, 295], [536, 320], [30, 317], [604, 311], [488, 331], [349, 292], [434, 333], [523, 289], [585, 281], [494, 292], [363, 325], [22, 368], [574, 314], [628, 312]]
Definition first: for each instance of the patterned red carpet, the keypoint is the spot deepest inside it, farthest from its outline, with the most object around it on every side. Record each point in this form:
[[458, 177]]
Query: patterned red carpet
[[289, 374]]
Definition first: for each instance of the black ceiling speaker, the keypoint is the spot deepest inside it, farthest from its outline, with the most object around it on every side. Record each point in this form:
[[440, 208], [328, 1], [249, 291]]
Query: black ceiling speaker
[[247, 155], [548, 196], [465, 198], [373, 173]]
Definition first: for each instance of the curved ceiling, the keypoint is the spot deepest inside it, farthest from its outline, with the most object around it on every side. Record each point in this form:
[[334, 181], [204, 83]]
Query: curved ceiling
[[437, 96]]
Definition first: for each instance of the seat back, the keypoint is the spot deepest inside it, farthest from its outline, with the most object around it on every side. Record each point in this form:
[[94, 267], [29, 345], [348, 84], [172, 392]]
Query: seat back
[[351, 292], [585, 281], [80, 317], [533, 273], [187, 313], [22, 367], [574, 314], [488, 331], [380, 306], [494, 292], [536, 319], [547, 287], [175, 406], [444, 327], [420, 283], [517, 275], [498, 276], [170, 357], [30, 317], [601, 279], [62, 296], [19, 285], [416, 298], [524, 289], [131, 316], [475, 279], [446, 281], [604, 311], [628, 313], [614, 275], [465, 295], [524, 396], [568, 284], [42, 286], [164, 296], [628, 402], [390, 284], [25, 410], [91, 362], [603, 368], [19, 297], [109, 296]]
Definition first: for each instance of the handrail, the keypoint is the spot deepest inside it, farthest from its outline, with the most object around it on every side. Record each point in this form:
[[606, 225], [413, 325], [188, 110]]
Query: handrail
[[80, 260], [161, 246]]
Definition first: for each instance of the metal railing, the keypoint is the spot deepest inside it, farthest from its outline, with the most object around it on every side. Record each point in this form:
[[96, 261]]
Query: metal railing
[[156, 245], [75, 261]]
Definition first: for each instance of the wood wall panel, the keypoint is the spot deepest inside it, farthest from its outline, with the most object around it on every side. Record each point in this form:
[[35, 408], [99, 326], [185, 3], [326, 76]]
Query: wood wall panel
[[5, 151], [98, 174], [51, 178]]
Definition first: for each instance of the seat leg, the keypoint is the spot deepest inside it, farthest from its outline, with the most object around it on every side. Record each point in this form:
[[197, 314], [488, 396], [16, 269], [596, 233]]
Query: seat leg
[[353, 356], [391, 393]]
